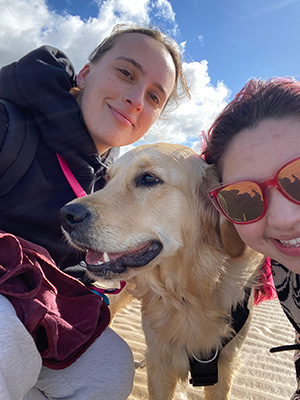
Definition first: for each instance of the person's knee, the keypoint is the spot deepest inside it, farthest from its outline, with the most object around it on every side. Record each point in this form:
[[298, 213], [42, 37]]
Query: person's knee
[[104, 371], [20, 361], [119, 366]]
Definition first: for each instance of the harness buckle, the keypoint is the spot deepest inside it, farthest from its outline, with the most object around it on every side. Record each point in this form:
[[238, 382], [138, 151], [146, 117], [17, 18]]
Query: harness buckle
[[204, 372]]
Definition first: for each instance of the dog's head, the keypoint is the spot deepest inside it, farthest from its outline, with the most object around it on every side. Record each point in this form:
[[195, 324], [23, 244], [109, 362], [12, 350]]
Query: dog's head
[[153, 205]]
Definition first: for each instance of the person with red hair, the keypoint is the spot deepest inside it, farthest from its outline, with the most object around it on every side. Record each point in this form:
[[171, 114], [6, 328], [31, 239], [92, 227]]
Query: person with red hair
[[255, 145]]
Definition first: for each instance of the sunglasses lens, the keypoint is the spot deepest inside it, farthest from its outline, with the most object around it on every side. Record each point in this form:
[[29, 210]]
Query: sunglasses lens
[[289, 180], [242, 201]]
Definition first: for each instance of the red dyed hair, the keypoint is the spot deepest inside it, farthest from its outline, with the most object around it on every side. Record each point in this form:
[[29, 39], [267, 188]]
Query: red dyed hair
[[259, 99]]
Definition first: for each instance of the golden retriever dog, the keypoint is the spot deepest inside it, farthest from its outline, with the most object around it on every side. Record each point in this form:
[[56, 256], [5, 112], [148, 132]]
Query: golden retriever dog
[[154, 226]]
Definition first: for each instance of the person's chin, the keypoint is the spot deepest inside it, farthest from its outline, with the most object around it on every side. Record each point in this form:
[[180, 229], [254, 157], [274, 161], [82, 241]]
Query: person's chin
[[292, 266]]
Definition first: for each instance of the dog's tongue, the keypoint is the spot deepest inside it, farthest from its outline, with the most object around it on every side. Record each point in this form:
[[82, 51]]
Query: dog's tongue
[[94, 257]]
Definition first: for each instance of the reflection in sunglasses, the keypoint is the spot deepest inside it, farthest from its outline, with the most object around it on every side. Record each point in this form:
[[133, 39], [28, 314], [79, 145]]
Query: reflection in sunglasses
[[239, 206], [245, 202], [292, 188]]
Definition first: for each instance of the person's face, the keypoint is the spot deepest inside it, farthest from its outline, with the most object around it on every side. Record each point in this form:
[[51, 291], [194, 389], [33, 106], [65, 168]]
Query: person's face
[[258, 153], [125, 91]]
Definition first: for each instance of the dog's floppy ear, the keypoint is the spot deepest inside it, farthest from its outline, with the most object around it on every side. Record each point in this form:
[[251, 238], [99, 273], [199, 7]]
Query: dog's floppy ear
[[230, 239]]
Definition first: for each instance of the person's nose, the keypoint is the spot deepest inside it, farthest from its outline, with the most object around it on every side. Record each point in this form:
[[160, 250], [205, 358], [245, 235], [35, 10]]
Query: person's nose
[[281, 212], [135, 99]]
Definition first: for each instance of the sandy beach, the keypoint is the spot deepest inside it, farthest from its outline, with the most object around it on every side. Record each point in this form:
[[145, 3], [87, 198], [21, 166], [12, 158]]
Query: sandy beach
[[261, 376]]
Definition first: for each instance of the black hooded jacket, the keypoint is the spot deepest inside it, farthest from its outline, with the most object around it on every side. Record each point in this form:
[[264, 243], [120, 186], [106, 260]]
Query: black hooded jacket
[[46, 120]]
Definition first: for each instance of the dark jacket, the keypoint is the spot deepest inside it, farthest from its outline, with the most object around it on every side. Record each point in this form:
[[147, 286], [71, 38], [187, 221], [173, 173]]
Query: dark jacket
[[49, 122]]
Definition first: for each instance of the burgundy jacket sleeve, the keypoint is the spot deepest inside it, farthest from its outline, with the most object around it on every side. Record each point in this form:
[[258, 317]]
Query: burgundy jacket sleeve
[[62, 315]]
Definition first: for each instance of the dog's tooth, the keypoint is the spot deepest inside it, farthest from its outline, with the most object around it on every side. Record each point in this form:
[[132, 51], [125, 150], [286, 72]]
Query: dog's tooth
[[106, 257]]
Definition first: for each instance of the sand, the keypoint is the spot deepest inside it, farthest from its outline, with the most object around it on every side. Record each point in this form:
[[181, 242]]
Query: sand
[[261, 376]]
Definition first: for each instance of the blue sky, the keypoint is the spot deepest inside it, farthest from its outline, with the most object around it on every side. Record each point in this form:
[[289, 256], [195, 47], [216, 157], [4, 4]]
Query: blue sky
[[242, 38], [225, 43]]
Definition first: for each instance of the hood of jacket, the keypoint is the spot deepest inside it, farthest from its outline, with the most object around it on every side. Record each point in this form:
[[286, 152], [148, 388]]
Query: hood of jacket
[[40, 82]]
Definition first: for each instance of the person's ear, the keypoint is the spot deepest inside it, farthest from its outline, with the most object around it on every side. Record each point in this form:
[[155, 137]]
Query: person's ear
[[82, 75]]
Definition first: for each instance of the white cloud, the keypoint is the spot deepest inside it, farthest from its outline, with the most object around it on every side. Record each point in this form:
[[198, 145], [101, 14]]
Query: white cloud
[[26, 24], [22, 24], [165, 10]]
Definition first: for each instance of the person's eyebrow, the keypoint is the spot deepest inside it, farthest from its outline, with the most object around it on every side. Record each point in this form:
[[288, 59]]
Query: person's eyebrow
[[142, 71]]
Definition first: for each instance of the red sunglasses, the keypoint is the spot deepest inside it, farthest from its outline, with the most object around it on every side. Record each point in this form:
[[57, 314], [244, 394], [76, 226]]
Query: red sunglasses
[[244, 202]]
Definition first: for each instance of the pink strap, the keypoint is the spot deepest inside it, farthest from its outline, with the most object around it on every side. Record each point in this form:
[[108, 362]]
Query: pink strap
[[79, 192]]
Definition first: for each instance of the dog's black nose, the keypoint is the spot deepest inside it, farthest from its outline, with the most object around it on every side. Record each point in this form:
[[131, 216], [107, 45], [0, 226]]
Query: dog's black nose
[[73, 215]]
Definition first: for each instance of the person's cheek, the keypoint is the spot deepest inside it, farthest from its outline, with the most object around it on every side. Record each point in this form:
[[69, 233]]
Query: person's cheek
[[250, 235]]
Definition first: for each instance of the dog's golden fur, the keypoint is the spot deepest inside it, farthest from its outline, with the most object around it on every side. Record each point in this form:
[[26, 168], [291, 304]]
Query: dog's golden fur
[[189, 290]]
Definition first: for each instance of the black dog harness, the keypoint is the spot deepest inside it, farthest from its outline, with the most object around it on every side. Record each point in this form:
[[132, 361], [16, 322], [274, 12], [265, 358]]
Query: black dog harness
[[205, 372]]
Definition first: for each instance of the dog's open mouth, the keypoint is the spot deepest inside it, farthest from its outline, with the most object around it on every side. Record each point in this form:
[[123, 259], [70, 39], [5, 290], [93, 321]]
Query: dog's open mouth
[[99, 263]]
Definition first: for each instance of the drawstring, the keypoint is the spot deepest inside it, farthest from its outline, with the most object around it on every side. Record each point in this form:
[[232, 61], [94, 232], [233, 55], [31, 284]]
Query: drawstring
[[285, 348]]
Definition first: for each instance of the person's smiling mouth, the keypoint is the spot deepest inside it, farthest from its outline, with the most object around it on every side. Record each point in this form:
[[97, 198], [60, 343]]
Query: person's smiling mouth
[[121, 116], [291, 243]]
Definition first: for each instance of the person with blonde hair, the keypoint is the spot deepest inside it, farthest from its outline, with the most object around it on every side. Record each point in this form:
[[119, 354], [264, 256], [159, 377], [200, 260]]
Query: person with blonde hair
[[59, 131]]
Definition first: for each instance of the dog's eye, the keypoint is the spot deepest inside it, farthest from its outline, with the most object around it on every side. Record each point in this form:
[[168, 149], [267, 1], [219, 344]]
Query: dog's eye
[[147, 179]]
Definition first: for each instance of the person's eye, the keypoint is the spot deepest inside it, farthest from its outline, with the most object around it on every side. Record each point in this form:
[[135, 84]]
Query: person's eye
[[154, 98], [126, 73]]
